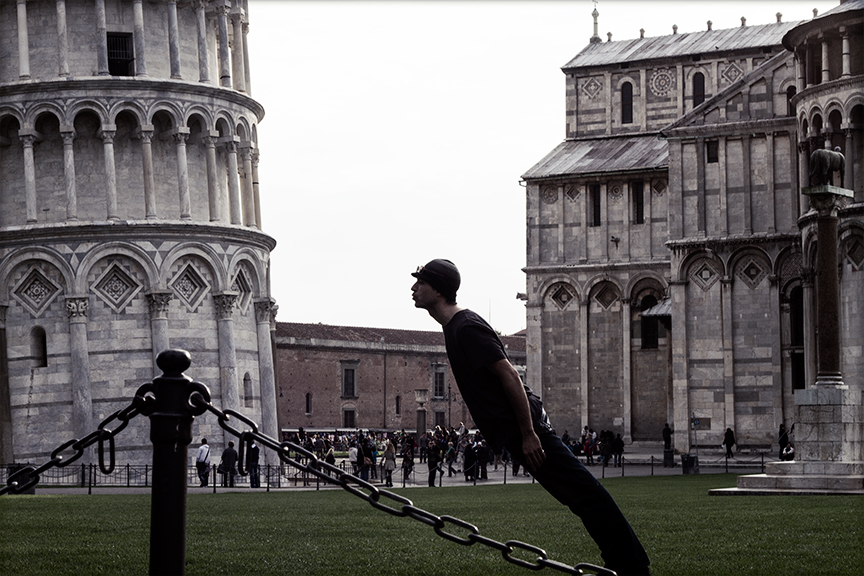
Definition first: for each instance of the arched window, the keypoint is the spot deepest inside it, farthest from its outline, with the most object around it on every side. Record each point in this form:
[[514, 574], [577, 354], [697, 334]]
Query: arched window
[[308, 403], [698, 89], [398, 405], [38, 348], [626, 103], [650, 330], [790, 92], [247, 390]]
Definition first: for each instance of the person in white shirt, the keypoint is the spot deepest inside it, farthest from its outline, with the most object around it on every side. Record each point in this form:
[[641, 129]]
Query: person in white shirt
[[202, 462]]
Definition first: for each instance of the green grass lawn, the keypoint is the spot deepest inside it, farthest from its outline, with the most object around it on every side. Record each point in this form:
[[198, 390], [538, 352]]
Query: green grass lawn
[[685, 531]]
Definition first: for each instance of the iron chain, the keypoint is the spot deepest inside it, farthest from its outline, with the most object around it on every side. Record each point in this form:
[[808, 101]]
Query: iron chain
[[373, 495], [28, 476]]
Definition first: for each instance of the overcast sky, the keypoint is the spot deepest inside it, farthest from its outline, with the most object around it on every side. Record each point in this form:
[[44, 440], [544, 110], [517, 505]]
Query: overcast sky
[[396, 132]]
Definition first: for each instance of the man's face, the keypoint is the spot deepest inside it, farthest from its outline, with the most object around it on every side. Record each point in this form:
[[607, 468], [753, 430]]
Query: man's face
[[423, 294]]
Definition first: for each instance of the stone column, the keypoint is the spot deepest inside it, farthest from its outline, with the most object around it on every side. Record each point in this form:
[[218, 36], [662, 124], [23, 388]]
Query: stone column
[[29, 175], [255, 189], [23, 42], [6, 452], [62, 40], [180, 138], [82, 401], [728, 344], [804, 172], [233, 182], [225, 304], [850, 153], [808, 63], [146, 134], [584, 304], [209, 142], [847, 58], [246, 70], [264, 313], [224, 54], [248, 192], [203, 55], [68, 136], [626, 370], [801, 66], [680, 368], [158, 303], [748, 183], [138, 36], [826, 69], [101, 40], [237, 71], [107, 133], [173, 40]]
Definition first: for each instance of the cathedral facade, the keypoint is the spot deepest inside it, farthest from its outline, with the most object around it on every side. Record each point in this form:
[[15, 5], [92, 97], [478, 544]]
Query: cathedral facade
[[130, 219], [670, 254]]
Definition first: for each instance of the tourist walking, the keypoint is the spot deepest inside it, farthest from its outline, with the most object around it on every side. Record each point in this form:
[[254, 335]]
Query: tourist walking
[[202, 462]]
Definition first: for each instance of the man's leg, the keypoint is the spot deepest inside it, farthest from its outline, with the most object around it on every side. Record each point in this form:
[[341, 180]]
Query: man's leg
[[565, 478]]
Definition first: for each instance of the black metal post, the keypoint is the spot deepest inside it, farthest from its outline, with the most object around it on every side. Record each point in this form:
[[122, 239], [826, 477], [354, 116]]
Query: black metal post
[[171, 434]]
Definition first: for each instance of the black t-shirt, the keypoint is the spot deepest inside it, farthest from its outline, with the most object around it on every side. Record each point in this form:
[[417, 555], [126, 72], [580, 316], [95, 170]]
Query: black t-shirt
[[472, 347]]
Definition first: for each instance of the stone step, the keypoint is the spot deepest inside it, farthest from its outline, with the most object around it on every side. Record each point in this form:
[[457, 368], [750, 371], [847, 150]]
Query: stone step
[[803, 482], [805, 468]]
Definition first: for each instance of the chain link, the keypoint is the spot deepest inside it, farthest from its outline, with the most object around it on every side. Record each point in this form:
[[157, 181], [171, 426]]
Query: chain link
[[373, 495], [28, 476]]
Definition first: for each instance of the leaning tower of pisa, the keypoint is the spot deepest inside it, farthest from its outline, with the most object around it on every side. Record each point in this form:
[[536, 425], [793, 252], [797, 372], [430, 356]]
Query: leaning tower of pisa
[[130, 219]]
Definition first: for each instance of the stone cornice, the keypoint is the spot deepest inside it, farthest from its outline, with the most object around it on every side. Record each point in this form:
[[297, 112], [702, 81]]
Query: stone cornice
[[124, 86], [36, 234], [737, 129], [635, 265], [827, 88], [726, 243]]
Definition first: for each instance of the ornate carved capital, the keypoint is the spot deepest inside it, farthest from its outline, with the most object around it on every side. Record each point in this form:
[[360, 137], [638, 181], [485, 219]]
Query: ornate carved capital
[[158, 303], [27, 140], [231, 147], [77, 307], [264, 310], [180, 138], [225, 304], [827, 204], [108, 136], [68, 137], [146, 136]]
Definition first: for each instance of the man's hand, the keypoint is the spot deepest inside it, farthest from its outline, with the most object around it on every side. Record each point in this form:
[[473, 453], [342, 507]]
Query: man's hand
[[533, 451]]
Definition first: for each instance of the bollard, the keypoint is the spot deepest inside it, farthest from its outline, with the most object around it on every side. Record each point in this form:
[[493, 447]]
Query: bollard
[[171, 434]]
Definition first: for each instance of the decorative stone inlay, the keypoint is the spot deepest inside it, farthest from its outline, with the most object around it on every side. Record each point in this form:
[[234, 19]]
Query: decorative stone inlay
[[751, 273], [606, 296], [592, 88], [658, 186], [662, 82], [704, 274], [615, 192], [562, 295], [732, 73], [189, 287], [571, 191], [550, 194], [243, 287], [791, 268], [35, 292], [856, 254], [116, 287], [77, 307]]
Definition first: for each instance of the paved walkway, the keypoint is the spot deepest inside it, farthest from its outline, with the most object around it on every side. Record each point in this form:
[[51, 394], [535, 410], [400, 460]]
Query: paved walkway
[[637, 462]]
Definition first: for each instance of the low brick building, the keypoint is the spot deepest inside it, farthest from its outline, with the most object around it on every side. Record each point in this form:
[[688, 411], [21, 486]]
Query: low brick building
[[331, 377]]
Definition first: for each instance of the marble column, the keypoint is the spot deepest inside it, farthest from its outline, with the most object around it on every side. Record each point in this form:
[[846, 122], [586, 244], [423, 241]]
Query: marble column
[[225, 305], [209, 142], [138, 37], [224, 51], [146, 135], [29, 175], [23, 42], [107, 133], [173, 40], [62, 40], [69, 174], [850, 154], [264, 314], [826, 69], [804, 172], [626, 369], [158, 302], [101, 40], [233, 182], [82, 400], [246, 70], [6, 452], [238, 74], [584, 305], [203, 55], [180, 138], [255, 188], [847, 58], [248, 193], [680, 367]]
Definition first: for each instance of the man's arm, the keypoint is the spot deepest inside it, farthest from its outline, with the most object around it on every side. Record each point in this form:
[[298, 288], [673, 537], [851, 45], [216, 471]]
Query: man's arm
[[515, 392]]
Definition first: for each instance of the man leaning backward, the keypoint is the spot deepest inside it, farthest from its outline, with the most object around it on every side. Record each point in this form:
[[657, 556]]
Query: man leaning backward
[[511, 416]]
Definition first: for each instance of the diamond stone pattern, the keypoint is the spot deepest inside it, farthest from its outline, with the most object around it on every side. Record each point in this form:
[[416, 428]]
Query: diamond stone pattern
[[116, 287], [606, 297], [36, 292], [189, 287], [592, 88], [243, 287], [732, 73], [751, 273], [856, 254], [562, 295], [704, 275]]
